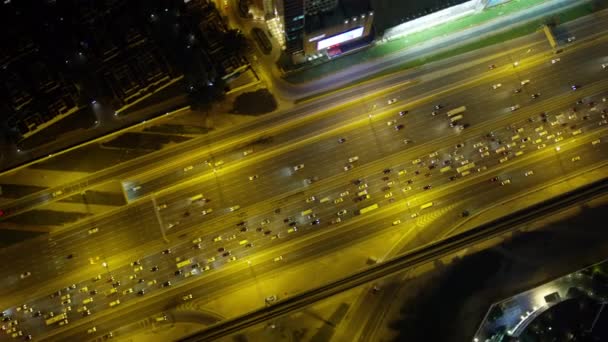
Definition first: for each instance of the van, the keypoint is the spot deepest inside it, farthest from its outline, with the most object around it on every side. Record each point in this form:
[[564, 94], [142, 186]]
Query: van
[[324, 199]]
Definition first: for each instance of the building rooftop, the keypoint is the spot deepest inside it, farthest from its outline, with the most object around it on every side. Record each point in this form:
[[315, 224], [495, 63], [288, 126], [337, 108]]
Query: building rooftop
[[346, 9]]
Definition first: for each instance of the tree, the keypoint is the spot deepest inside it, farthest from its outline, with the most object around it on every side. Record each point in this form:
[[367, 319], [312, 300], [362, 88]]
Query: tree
[[234, 42]]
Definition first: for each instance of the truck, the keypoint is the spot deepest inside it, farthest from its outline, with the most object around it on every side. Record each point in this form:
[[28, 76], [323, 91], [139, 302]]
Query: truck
[[456, 111]]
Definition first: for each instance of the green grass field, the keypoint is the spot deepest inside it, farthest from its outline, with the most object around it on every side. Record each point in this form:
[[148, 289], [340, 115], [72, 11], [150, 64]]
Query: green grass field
[[384, 49]]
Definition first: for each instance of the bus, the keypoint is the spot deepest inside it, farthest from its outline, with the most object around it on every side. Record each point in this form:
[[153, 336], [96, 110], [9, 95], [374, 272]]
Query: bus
[[368, 209], [183, 263], [465, 167], [307, 212], [455, 118], [56, 319], [196, 198], [426, 205], [455, 111]]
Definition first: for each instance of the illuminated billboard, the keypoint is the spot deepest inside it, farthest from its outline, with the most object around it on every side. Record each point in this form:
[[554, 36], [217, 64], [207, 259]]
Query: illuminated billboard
[[340, 38]]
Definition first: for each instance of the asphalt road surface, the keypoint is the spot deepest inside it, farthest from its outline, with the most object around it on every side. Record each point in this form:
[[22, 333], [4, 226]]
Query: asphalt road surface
[[133, 233]]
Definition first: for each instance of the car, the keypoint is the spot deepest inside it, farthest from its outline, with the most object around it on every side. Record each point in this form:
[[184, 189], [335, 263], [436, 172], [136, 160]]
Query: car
[[506, 182], [342, 212], [127, 291], [232, 258], [91, 330], [464, 213], [338, 200], [494, 179], [517, 90], [353, 159], [25, 275], [141, 292], [525, 82], [391, 101], [392, 122], [154, 269], [575, 86], [234, 208], [577, 158], [496, 86], [197, 240], [311, 199], [311, 180], [136, 263], [406, 141], [529, 173], [161, 318], [348, 167], [254, 177], [434, 113], [166, 284], [571, 39], [403, 113], [492, 66], [316, 222], [605, 66], [279, 258], [187, 297], [399, 127], [427, 187], [206, 211], [396, 222], [188, 168], [93, 230], [298, 167], [514, 108], [536, 95], [555, 60], [341, 140], [247, 152], [178, 272]]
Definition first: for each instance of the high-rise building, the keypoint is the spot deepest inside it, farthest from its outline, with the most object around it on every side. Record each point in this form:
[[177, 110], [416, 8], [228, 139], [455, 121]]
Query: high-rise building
[[293, 22], [312, 7]]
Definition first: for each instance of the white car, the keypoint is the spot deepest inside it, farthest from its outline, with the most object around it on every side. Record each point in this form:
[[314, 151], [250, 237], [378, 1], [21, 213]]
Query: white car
[[496, 86], [605, 66], [392, 122], [553, 61], [524, 82], [25, 275], [206, 211], [187, 297], [353, 159], [311, 199], [298, 167], [505, 182], [571, 39], [348, 167], [93, 230], [342, 212], [254, 177], [248, 152], [528, 173], [234, 208], [188, 168], [514, 108], [279, 258], [391, 101]]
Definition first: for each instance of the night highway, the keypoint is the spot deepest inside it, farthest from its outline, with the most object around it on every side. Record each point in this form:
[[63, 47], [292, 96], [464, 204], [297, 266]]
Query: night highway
[[299, 192]]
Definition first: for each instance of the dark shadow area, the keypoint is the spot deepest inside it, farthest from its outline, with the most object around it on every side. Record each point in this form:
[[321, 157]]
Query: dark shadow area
[[449, 303], [18, 191], [9, 237], [83, 119], [325, 333], [46, 218], [255, 103], [97, 197], [150, 142], [178, 129], [89, 159]]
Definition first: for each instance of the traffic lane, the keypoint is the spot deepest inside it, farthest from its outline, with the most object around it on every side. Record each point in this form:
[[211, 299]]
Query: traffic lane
[[505, 105], [497, 192]]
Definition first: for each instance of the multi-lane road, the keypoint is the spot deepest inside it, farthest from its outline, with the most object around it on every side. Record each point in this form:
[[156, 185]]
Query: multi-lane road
[[401, 162]]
